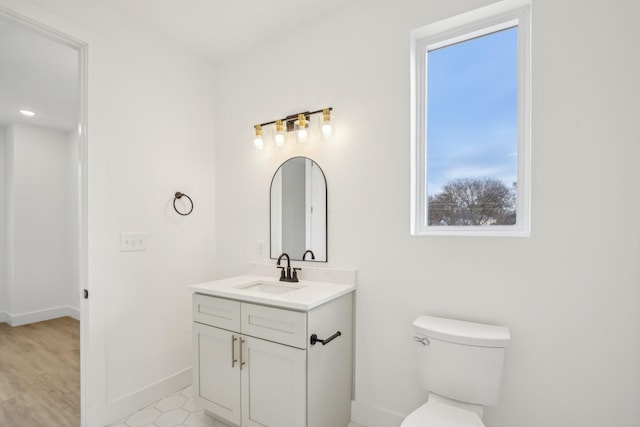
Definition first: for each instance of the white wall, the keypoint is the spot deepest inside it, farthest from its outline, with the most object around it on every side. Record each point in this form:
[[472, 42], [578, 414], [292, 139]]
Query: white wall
[[41, 203], [73, 217], [3, 226], [569, 293], [150, 130]]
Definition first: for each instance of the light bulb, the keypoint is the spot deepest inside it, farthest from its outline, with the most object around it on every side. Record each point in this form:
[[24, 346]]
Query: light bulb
[[326, 130], [302, 135], [258, 142], [326, 123], [279, 138], [302, 125]]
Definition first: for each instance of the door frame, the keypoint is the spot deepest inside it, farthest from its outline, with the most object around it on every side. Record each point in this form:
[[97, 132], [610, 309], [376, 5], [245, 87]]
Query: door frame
[[83, 224]]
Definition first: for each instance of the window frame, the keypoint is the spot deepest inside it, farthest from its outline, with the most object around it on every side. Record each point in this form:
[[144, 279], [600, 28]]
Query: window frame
[[477, 23]]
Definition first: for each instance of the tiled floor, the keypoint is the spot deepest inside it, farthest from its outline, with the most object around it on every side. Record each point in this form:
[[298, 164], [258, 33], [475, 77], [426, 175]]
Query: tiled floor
[[177, 410]]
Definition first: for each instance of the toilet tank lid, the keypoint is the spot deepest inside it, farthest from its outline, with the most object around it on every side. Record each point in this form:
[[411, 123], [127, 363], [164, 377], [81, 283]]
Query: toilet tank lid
[[462, 332]]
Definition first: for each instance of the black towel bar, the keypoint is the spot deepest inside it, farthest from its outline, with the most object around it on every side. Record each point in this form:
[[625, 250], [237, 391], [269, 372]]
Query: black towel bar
[[315, 339]]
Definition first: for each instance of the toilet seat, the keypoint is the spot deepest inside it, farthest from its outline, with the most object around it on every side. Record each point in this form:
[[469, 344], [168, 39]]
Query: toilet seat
[[438, 414]]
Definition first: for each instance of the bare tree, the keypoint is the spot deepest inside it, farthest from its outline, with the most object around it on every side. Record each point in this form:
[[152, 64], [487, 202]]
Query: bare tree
[[467, 201]]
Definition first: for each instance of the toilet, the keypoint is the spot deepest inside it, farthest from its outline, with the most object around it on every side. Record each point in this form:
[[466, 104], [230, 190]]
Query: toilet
[[460, 365]]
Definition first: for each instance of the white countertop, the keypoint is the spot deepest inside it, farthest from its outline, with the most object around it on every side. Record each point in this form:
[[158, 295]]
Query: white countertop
[[311, 294]]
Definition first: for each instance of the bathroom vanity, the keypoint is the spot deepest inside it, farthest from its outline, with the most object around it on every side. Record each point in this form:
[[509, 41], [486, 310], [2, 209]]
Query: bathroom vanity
[[275, 354]]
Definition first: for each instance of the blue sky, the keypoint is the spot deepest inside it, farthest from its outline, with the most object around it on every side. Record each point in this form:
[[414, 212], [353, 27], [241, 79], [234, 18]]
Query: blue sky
[[472, 114]]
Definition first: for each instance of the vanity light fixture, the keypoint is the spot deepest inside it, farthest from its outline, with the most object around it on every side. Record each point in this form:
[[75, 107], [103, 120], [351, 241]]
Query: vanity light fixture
[[258, 142], [326, 123], [300, 123], [279, 138]]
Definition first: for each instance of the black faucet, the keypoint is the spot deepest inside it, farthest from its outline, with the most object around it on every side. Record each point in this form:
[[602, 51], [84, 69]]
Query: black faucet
[[308, 251], [289, 276]]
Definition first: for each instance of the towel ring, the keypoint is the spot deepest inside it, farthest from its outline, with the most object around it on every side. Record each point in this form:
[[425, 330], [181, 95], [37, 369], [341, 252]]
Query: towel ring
[[179, 195]]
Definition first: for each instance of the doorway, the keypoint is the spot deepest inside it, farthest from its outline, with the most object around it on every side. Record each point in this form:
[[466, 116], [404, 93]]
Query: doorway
[[43, 222]]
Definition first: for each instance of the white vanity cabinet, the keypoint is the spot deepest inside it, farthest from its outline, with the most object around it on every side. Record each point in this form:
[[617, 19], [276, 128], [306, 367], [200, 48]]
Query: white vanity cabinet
[[254, 365]]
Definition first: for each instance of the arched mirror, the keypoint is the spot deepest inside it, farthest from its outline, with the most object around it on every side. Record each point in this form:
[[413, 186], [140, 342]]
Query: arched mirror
[[299, 211]]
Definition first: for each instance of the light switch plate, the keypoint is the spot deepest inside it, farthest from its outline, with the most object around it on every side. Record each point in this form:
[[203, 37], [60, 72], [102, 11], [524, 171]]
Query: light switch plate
[[130, 241]]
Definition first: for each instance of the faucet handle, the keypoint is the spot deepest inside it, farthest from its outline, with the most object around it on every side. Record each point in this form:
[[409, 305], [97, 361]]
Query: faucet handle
[[282, 276], [294, 276]]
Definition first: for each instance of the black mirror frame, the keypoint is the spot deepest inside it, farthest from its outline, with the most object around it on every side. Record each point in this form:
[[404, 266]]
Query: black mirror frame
[[326, 218]]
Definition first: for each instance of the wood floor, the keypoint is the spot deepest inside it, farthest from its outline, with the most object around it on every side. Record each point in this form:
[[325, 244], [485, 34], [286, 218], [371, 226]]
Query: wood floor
[[40, 374]]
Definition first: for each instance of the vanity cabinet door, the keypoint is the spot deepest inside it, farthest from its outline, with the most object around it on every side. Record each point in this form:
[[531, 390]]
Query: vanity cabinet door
[[217, 376], [273, 384]]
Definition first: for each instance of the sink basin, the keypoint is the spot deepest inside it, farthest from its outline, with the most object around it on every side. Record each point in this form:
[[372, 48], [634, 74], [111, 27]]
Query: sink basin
[[271, 288]]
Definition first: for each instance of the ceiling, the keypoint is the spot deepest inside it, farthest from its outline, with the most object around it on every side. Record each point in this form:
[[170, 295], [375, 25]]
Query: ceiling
[[37, 74], [42, 75], [219, 29]]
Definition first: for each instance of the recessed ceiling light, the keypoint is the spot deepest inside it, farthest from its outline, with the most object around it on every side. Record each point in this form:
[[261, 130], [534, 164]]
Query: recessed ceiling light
[[27, 113]]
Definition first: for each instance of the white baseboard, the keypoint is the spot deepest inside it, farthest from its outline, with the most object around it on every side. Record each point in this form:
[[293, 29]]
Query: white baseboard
[[39, 315], [371, 416], [127, 405], [74, 313]]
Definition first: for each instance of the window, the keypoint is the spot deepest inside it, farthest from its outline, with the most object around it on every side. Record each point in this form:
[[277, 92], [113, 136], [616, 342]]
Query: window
[[470, 162]]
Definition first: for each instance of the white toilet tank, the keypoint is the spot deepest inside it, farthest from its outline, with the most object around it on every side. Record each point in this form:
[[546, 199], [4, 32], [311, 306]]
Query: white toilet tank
[[461, 360]]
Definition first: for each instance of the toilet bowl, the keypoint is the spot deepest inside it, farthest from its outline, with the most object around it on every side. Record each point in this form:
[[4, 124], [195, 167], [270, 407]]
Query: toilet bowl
[[436, 413], [460, 365]]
